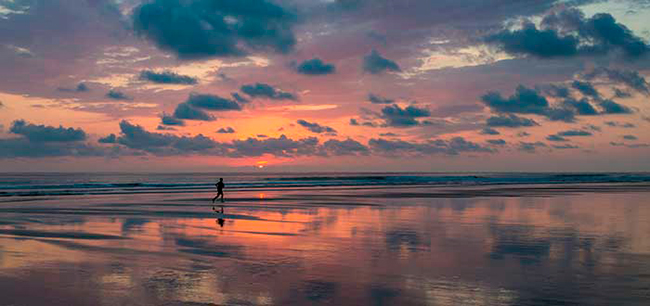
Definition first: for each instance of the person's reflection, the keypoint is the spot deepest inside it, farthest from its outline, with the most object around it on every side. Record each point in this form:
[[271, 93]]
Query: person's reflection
[[220, 215]]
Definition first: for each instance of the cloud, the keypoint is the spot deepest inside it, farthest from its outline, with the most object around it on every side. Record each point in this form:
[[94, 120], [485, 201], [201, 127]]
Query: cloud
[[526, 101], [41, 133], [586, 89], [212, 102], [555, 138], [167, 77], [633, 146], [37, 141], [1, 104], [345, 147], [531, 41], [315, 127], [489, 131], [581, 107], [403, 117], [611, 107], [621, 94], [379, 100], [108, 139], [314, 67], [374, 63], [226, 130], [447, 147], [205, 28], [81, 87], [565, 146], [237, 97], [171, 120], [628, 77], [510, 120], [620, 124], [165, 128], [569, 33], [571, 133], [185, 111], [281, 146], [630, 137], [498, 142], [117, 95], [136, 137], [261, 90], [530, 147]]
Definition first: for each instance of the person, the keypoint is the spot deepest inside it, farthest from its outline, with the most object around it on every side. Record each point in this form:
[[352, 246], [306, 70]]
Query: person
[[220, 186], [220, 215]]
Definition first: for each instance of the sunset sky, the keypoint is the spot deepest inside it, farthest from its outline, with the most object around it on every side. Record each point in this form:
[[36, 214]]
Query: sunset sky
[[324, 85]]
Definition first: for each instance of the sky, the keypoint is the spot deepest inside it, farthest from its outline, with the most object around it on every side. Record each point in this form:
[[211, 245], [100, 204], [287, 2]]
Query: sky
[[324, 85]]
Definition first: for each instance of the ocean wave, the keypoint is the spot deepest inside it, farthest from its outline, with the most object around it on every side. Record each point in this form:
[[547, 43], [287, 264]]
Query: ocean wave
[[87, 184]]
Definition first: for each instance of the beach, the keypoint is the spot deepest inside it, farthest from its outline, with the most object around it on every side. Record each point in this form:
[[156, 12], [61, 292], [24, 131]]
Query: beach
[[323, 239]]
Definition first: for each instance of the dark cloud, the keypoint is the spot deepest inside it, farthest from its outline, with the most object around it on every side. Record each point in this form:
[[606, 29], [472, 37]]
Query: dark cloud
[[633, 146], [171, 120], [448, 147], [389, 134], [136, 137], [581, 107], [108, 139], [510, 120], [167, 77], [345, 147], [571, 133], [81, 87], [281, 146], [315, 127], [526, 101], [355, 122], [628, 77], [530, 40], [630, 137], [212, 102], [621, 94], [261, 136], [620, 124], [37, 141], [1, 104], [261, 90], [185, 111], [559, 91], [117, 95], [237, 97], [565, 146], [41, 133], [530, 147], [205, 28], [555, 138], [611, 107], [165, 128], [226, 130], [315, 66], [379, 100], [498, 142], [489, 131], [586, 88], [403, 117], [374, 63], [569, 33]]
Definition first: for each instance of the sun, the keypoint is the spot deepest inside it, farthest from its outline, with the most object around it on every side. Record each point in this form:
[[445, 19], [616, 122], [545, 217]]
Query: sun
[[261, 164]]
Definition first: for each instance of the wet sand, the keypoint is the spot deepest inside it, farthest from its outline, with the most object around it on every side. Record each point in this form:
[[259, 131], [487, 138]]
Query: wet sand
[[411, 245]]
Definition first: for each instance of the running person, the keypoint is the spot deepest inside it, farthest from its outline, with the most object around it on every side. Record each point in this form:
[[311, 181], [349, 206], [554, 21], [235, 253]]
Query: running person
[[220, 186]]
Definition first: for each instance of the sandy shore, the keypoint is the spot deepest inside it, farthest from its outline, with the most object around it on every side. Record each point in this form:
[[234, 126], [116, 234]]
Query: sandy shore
[[412, 245]]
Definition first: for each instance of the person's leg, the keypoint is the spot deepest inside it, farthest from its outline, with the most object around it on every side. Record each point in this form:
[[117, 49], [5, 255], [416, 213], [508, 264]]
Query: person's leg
[[222, 197]]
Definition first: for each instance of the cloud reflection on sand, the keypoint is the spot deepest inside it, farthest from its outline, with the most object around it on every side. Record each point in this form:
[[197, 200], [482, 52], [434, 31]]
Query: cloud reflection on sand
[[292, 248]]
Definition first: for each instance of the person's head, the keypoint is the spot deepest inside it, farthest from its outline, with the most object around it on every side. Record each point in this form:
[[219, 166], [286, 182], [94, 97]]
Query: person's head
[[221, 179]]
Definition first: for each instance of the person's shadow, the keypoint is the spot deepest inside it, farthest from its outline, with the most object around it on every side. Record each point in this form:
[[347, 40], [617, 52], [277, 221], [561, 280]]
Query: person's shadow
[[220, 220]]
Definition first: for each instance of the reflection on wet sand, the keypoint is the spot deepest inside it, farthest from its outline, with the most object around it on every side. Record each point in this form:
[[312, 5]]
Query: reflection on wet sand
[[341, 247]]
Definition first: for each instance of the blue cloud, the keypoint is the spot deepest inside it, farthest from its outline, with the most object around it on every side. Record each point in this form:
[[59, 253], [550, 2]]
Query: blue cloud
[[315, 66], [212, 102], [379, 100], [185, 111], [510, 120], [42, 133], [403, 117], [227, 130], [167, 77], [315, 127], [117, 95], [261, 90], [374, 63], [205, 28]]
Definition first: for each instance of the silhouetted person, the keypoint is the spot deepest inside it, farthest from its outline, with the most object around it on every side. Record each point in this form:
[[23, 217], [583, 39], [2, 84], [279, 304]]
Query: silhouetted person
[[220, 218], [220, 186]]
